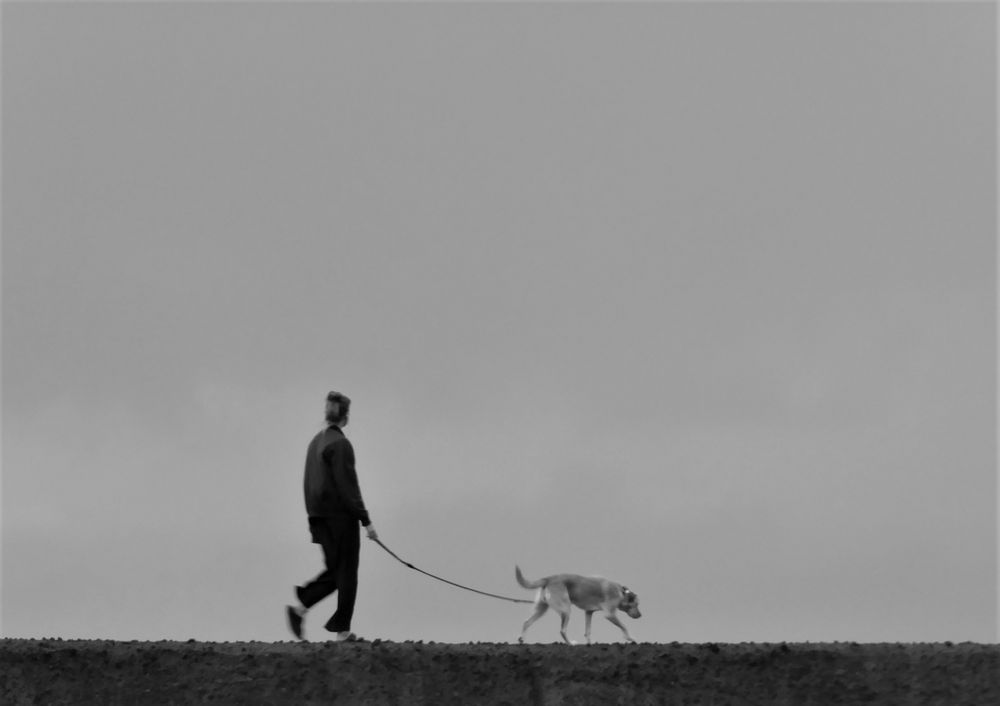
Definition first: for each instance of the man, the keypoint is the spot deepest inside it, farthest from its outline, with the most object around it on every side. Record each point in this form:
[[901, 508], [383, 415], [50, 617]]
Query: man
[[335, 509]]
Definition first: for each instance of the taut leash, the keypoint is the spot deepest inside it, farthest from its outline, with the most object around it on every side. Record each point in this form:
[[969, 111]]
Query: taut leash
[[452, 583]]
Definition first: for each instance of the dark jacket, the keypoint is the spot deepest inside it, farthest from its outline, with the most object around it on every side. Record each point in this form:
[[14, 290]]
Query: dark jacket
[[331, 483]]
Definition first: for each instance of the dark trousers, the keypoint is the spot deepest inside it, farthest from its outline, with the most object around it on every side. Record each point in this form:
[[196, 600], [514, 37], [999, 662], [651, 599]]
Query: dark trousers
[[340, 538]]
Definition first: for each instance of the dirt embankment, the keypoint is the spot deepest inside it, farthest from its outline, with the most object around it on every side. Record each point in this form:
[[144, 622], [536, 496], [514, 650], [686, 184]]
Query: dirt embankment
[[55, 672]]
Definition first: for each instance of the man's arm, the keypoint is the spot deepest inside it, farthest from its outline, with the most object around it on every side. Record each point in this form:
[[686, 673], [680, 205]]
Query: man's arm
[[346, 478]]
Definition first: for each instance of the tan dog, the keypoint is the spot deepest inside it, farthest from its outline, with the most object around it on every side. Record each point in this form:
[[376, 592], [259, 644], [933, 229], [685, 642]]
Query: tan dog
[[588, 593]]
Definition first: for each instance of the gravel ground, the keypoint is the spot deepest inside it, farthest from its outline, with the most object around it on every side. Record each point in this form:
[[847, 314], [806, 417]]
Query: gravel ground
[[53, 671]]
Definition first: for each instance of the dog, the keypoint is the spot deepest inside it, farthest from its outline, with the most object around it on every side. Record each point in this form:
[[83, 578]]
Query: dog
[[588, 593]]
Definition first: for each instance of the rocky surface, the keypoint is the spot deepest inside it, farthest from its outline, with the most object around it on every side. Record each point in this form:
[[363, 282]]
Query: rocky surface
[[51, 671]]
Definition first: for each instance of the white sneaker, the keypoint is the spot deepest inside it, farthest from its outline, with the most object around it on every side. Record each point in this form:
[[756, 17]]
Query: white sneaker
[[346, 637]]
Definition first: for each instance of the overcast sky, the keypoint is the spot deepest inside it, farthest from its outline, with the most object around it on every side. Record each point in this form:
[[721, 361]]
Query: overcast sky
[[700, 297]]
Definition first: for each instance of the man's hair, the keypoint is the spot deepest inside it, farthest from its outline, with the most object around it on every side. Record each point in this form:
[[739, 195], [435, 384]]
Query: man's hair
[[338, 414]]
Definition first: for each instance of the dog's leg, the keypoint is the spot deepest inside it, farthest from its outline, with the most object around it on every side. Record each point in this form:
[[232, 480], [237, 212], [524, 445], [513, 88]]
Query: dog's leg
[[540, 608], [586, 633], [564, 617], [559, 600], [615, 621]]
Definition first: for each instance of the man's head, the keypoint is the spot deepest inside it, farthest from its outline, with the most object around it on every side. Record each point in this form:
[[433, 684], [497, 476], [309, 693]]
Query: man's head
[[338, 409]]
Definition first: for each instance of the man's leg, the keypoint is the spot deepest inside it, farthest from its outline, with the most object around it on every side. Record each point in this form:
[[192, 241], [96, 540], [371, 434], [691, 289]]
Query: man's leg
[[326, 583], [346, 576]]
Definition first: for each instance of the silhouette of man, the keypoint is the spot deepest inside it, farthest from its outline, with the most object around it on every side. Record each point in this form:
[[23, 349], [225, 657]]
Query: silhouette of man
[[335, 509]]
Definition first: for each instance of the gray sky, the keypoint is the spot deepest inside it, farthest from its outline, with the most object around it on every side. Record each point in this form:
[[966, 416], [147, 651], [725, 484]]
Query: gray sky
[[701, 297]]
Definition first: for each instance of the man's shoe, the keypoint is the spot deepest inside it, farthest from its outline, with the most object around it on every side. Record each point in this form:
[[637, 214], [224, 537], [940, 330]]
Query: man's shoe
[[294, 621], [347, 636]]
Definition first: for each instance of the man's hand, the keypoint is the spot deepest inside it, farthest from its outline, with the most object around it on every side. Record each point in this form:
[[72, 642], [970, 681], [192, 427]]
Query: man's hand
[[372, 534]]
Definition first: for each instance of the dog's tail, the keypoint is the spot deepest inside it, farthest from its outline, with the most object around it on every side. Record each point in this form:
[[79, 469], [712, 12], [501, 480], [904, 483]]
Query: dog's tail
[[524, 582]]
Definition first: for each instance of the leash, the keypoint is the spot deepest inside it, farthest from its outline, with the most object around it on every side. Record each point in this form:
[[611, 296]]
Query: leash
[[457, 585]]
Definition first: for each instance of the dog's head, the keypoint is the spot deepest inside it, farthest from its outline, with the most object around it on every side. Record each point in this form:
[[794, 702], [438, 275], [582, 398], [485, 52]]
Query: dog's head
[[629, 603]]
